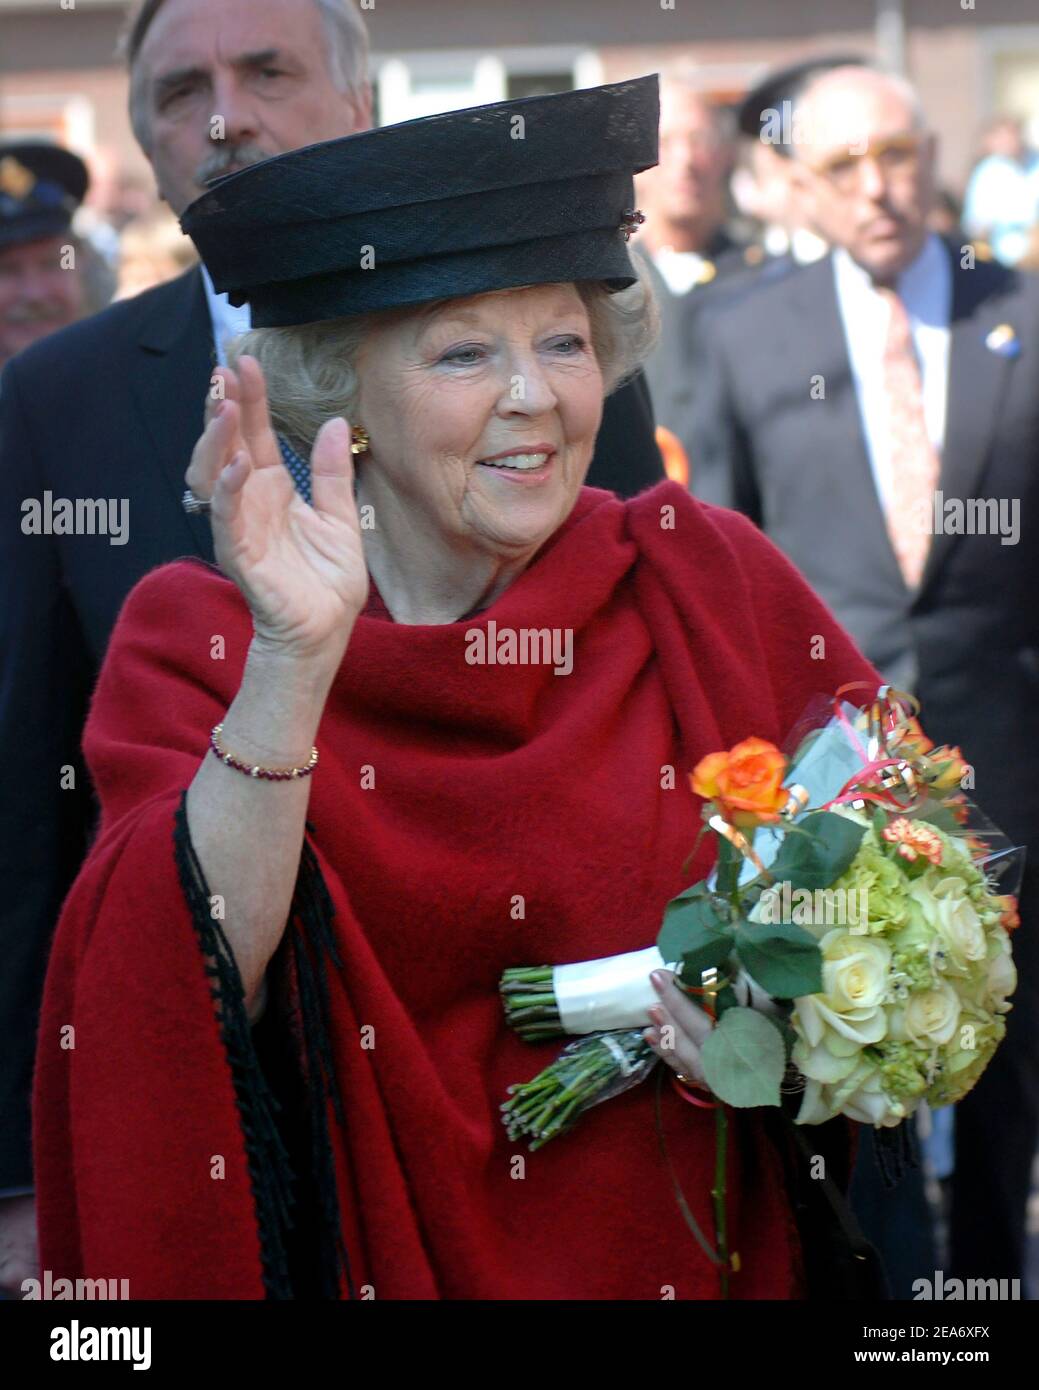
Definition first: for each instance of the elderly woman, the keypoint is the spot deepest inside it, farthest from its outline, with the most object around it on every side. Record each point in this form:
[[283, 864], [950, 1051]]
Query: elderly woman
[[499, 680]]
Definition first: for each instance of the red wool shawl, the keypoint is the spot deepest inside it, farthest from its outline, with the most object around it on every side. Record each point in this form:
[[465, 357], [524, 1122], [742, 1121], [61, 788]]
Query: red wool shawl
[[517, 816]]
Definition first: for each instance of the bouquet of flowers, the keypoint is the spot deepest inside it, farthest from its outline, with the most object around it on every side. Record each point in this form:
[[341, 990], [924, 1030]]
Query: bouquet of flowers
[[852, 943]]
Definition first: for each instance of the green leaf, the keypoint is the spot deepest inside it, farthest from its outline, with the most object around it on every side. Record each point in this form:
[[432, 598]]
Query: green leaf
[[782, 957], [695, 890], [744, 1059], [693, 923], [816, 858]]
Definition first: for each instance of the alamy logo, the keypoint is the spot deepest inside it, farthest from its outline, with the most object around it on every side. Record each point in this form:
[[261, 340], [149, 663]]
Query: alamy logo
[[82, 516], [77, 1343], [970, 516], [525, 646], [50, 1288], [842, 907], [950, 1290]]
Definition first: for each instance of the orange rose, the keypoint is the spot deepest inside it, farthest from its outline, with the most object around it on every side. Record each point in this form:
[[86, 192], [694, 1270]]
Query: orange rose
[[949, 767], [746, 784], [910, 739], [1010, 920]]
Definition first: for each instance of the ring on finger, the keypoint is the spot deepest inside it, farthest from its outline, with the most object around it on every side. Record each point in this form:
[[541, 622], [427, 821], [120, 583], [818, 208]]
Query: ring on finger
[[674, 1062]]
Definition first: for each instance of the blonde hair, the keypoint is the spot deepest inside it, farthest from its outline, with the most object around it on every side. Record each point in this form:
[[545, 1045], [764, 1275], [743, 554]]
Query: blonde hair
[[311, 368]]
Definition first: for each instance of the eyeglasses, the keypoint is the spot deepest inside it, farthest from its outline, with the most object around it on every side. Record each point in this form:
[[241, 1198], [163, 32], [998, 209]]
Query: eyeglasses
[[896, 157]]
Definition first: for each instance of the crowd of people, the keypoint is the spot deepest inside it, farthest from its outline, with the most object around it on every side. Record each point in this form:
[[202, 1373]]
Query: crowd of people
[[785, 389], [818, 337]]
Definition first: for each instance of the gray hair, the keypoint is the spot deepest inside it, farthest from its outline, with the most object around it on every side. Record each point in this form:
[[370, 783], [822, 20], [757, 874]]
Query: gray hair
[[347, 53], [311, 369]]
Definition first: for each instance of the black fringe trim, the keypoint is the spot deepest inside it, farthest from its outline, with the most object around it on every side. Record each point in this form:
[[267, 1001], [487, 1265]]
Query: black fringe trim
[[895, 1152], [270, 1171], [840, 1264], [312, 935]]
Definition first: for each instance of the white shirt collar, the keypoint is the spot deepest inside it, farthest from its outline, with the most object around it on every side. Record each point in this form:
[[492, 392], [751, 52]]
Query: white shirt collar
[[227, 321], [924, 287], [682, 270]]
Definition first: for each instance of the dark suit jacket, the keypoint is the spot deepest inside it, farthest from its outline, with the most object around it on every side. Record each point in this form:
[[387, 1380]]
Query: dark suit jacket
[[764, 442], [967, 640], [668, 372], [111, 408]]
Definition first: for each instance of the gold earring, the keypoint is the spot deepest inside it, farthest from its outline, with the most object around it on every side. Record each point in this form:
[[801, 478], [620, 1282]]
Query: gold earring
[[361, 442]]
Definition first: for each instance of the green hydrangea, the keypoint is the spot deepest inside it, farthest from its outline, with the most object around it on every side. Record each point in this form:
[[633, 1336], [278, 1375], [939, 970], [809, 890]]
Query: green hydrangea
[[914, 966], [928, 951], [886, 887], [962, 1068], [900, 1064]]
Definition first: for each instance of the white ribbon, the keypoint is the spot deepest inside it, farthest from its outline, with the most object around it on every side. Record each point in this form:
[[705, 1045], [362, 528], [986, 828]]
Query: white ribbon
[[612, 992], [616, 992]]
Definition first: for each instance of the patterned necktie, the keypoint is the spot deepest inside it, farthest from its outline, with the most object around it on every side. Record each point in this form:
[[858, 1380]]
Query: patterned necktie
[[914, 461]]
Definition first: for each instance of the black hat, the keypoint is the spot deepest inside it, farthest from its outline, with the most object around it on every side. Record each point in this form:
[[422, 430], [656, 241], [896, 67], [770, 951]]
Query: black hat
[[527, 192], [41, 186], [786, 84]]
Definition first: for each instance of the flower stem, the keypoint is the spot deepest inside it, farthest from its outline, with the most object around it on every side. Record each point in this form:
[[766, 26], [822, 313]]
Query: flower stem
[[529, 1002], [587, 1070]]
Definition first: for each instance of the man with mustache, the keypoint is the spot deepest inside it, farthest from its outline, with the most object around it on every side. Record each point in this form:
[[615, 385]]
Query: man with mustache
[[41, 285], [859, 410], [110, 409]]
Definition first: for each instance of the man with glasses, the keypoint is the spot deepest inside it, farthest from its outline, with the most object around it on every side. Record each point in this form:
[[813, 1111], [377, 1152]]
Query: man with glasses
[[877, 414]]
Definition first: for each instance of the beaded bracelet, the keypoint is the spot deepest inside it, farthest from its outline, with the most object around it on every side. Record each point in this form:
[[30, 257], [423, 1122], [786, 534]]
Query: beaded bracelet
[[272, 774]]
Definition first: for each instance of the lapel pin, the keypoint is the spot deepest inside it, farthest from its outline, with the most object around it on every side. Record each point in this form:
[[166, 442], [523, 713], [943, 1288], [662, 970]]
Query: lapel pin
[[1003, 341]]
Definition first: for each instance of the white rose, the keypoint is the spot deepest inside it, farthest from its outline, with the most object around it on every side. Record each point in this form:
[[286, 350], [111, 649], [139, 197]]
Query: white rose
[[828, 1060], [843, 1034], [951, 914], [855, 971], [1001, 980], [929, 1016], [834, 1026], [816, 1104], [860, 1096]]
